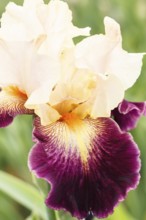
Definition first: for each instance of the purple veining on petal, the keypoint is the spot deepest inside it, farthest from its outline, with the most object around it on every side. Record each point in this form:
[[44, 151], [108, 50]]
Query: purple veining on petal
[[128, 113], [7, 115], [5, 120], [111, 170], [11, 104]]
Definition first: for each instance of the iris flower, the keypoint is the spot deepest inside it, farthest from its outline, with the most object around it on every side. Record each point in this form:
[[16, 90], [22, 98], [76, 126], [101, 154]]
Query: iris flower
[[73, 91], [89, 161]]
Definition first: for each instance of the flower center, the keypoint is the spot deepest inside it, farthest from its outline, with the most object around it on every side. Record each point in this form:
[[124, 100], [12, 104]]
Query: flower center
[[72, 120], [69, 118]]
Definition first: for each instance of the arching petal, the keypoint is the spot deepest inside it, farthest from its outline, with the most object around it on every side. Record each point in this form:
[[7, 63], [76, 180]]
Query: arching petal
[[53, 20], [93, 52], [15, 25], [103, 54], [59, 29], [11, 104], [126, 66], [128, 113], [108, 95], [90, 164]]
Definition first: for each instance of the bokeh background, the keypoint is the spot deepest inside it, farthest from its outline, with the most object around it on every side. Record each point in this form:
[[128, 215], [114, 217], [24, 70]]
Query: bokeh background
[[15, 140]]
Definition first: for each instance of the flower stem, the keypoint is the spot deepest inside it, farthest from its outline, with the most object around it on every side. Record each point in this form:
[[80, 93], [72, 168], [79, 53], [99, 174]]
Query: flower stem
[[57, 215], [90, 216], [51, 214]]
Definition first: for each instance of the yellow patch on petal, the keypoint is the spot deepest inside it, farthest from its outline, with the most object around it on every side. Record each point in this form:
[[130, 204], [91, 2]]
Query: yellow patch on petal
[[72, 136], [78, 131], [14, 91], [65, 107], [12, 101]]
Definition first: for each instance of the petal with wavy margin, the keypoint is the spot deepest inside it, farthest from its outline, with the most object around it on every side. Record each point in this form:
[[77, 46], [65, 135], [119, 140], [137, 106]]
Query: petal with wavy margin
[[90, 164], [128, 113]]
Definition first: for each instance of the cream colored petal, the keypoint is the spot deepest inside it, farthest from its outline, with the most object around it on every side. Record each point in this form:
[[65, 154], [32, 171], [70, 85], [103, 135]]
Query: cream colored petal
[[108, 94], [77, 90], [63, 20], [32, 3], [15, 58], [75, 85], [8, 71], [57, 22], [39, 96], [45, 72], [126, 66], [15, 25], [36, 75], [47, 114], [63, 92], [93, 52], [80, 31], [83, 110], [112, 29], [53, 20], [67, 65], [20, 65]]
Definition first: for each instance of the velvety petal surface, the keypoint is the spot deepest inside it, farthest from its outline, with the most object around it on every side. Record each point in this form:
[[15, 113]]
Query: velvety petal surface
[[11, 104], [128, 113], [90, 164]]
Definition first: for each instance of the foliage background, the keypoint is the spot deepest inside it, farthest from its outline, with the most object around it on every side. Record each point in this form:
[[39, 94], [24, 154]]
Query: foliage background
[[15, 140]]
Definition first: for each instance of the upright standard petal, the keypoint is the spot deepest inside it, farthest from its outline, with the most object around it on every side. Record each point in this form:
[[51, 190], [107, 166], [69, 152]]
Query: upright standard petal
[[126, 66], [90, 164], [118, 70], [105, 98], [16, 26], [103, 54], [93, 52], [54, 20], [128, 113]]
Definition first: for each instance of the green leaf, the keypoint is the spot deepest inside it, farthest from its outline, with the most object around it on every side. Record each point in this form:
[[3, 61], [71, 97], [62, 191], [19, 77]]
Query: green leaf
[[8, 209], [23, 193], [120, 213], [33, 216]]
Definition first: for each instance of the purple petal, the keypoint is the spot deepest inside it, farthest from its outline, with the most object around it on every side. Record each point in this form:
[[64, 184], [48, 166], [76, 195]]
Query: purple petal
[[127, 114], [11, 104], [5, 119], [90, 164]]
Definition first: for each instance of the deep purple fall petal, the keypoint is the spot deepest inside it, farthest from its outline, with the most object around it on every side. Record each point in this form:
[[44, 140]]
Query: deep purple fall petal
[[90, 164], [128, 113], [11, 104]]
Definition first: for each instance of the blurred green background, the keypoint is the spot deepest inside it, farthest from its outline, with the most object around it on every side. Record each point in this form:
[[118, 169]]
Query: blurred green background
[[15, 140]]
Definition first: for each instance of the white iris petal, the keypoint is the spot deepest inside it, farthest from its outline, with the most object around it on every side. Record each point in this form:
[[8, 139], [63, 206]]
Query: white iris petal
[[103, 55], [38, 55], [53, 20]]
